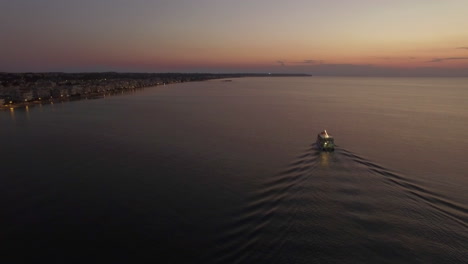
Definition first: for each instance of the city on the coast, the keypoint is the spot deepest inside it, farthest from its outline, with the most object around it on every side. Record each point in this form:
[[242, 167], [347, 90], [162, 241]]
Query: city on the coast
[[23, 89]]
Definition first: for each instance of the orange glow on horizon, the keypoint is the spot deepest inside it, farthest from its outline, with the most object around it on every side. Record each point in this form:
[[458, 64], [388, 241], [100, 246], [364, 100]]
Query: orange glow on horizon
[[293, 37]]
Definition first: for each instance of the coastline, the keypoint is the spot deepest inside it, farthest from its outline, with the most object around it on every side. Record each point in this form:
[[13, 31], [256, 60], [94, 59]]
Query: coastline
[[63, 99], [48, 101], [19, 90]]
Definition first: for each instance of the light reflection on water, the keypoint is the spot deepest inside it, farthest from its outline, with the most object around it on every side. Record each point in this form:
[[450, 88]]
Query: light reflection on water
[[324, 159], [27, 112], [12, 113]]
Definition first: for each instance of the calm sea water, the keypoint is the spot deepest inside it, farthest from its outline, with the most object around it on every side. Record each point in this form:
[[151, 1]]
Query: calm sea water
[[227, 172]]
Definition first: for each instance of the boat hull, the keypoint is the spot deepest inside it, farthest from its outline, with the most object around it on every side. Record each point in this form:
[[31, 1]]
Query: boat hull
[[324, 147]]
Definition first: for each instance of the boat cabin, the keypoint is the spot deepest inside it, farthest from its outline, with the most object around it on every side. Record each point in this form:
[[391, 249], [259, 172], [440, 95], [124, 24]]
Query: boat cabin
[[325, 141]]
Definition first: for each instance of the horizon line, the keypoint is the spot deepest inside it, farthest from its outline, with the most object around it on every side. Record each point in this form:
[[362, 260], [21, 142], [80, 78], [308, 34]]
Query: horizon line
[[244, 73]]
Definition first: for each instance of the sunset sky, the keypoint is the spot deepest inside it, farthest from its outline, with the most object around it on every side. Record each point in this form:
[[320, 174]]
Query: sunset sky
[[323, 37]]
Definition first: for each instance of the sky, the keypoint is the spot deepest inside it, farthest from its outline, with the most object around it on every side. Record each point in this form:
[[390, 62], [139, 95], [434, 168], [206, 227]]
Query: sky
[[319, 37]]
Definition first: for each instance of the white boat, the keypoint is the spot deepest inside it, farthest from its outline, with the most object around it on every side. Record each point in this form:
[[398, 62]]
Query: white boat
[[325, 141]]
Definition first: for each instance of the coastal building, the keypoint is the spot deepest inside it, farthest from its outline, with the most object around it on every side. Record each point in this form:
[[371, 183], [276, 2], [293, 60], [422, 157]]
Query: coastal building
[[86, 89], [27, 95], [13, 94], [55, 92], [75, 90], [41, 92]]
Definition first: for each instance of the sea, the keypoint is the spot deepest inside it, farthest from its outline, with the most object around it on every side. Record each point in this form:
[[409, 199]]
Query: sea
[[227, 171]]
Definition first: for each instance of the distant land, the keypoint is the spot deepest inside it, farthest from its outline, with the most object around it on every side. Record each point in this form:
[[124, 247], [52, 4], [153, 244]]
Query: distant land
[[24, 89]]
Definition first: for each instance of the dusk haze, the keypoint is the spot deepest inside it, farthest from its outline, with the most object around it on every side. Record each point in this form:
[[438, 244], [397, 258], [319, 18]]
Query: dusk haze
[[362, 37]]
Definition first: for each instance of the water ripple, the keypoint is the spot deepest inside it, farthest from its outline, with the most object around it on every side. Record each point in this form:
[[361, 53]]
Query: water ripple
[[322, 204]]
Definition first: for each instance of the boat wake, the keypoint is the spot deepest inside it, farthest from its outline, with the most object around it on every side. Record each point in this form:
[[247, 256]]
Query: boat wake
[[325, 204], [455, 211]]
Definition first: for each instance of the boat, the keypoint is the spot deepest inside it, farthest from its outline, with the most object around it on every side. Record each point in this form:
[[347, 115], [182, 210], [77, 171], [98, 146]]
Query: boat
[[325, 141]]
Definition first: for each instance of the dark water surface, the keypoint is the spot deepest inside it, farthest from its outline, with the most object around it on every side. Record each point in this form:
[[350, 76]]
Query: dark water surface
[[227, 172]]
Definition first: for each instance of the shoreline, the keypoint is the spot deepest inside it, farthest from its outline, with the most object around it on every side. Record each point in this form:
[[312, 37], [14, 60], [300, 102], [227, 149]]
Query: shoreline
[[20, 90], [58, 100], [48, 101]]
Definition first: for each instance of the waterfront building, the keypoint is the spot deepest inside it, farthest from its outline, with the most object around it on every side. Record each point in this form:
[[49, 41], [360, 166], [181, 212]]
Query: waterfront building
[[55, 92], [41, 92], [13, 94], [75, 90], [27, 95]]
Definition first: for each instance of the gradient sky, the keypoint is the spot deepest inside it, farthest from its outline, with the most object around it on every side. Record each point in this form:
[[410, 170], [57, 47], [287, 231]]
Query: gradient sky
[[332, 37]]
